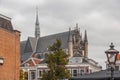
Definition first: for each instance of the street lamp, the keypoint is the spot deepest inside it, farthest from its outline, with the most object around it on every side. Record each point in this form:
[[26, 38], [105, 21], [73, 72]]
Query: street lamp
[[111, 58]]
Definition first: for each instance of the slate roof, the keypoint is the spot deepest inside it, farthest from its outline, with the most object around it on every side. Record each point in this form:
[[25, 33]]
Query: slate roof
[[43, 43], [33, 42], [25, 56], [22, 46], [5, 23], [30, 45], [98, 75]]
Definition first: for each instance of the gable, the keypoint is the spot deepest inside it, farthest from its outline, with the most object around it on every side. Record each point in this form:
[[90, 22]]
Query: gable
[[28, 47], [31, 62], [33, 42]]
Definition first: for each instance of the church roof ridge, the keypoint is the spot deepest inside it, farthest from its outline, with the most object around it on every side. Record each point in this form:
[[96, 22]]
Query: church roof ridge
[[56, 33]]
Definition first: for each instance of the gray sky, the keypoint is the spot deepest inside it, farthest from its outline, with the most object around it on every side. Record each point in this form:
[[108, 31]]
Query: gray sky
[[101, 19]]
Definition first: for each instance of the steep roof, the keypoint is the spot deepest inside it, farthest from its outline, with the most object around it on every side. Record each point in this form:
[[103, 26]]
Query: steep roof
[[44, 42], [27, 47], [33, 42], [22, 46], [25, 56], [5, 23], [30, 44]]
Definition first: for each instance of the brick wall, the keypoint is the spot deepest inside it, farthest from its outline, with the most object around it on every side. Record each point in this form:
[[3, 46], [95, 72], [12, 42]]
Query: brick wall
[[10, 51]]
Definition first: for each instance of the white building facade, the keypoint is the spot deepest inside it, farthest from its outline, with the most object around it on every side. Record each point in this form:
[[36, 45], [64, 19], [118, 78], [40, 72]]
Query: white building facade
[[77, 66]]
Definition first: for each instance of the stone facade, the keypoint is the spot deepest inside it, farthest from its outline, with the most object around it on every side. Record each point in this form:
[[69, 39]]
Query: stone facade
[[9, 51]]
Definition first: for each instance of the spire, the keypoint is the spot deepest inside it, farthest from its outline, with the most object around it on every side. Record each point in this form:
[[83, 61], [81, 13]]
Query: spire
[[76, 25], [85, 37], [70, 44], [70, 36], [85, 45], [37, 28]]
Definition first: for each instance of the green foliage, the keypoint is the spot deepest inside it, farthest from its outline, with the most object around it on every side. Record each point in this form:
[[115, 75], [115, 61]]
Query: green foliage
[[23, 75], [56, 62]]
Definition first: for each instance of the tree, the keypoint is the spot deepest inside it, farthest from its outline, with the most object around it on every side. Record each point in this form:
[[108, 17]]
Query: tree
[[56, 61], [23, 75]]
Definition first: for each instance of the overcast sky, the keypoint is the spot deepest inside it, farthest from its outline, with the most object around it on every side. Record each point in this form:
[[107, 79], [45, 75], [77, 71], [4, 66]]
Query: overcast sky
[[101, 19]]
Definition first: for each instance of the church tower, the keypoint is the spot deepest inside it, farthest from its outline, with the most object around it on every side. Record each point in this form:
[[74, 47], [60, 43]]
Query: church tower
[[37, 28], [70, 44], [85, 45]]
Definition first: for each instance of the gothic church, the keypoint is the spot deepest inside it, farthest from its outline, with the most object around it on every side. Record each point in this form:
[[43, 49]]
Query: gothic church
[[72, 43], [35, 49]]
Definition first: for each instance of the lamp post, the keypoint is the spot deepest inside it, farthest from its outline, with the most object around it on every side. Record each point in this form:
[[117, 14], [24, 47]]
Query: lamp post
[[111, 59]]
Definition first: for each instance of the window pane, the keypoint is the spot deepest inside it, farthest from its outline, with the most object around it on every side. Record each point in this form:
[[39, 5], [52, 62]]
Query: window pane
[[32, 75], [40, 73], [74, 72]]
